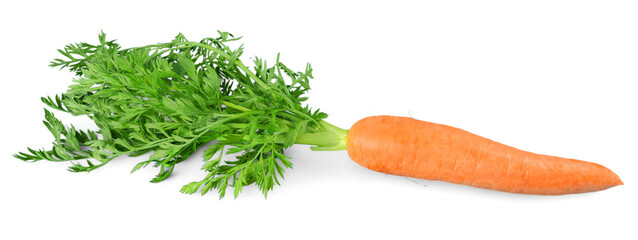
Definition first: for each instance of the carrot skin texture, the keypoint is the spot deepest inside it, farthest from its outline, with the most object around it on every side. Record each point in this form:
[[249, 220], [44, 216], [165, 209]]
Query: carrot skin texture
[[413, 148]]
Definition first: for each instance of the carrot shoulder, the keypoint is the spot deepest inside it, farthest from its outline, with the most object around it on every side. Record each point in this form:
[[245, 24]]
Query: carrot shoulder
[[413, 148]]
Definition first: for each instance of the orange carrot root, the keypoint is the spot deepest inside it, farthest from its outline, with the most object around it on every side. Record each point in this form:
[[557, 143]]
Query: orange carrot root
[[413, 148]]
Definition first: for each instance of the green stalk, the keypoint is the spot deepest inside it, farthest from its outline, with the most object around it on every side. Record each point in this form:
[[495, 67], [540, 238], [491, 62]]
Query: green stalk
[[235, 106], [332, 138]]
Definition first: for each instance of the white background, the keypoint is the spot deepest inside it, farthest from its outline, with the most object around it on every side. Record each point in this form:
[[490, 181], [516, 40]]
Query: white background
[[552, 77]]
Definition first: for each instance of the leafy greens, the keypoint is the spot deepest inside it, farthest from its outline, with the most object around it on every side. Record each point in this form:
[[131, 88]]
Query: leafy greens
[[175, 97]]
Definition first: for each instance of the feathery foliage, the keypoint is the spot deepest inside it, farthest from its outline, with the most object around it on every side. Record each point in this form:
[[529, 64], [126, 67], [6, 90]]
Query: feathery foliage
[[175, 97]]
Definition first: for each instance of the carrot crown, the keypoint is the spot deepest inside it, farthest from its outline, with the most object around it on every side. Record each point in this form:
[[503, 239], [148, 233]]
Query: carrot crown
[[169, 99]]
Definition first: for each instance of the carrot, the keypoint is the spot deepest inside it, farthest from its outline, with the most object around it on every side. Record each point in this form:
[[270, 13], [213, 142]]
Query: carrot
[[413, 148], [174, 97]]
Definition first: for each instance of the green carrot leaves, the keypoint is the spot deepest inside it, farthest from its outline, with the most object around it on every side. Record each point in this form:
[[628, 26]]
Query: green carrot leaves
[[175, 97]]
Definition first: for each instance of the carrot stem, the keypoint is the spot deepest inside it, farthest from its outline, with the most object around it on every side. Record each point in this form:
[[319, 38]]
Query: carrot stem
[[331, 138]]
